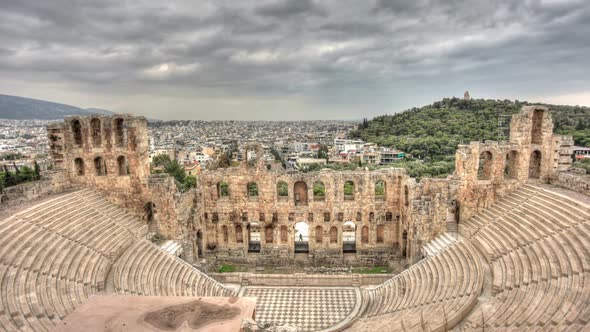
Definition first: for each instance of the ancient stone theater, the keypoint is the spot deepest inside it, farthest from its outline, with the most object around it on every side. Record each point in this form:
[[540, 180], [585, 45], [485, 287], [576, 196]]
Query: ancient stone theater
[[501, 244]]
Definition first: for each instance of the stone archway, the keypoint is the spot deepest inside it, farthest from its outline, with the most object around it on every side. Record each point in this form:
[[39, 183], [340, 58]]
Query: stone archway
[[485, 167], [301, 237], [349, 237], [254, 237], [535, 165]]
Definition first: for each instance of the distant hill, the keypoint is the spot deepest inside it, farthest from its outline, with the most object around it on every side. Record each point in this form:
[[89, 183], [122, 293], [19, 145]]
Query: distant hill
[[432, 132], [435, 130], [20, 108]]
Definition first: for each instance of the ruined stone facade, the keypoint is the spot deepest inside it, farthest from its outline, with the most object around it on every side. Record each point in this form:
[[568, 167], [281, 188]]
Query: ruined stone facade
[[110, 154], [253, 213], [232, 214], [485, 170]]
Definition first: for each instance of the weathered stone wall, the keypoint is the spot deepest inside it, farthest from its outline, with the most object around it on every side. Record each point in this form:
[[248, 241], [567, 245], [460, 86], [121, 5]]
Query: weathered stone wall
[[222, 215], [428, 214], [302, 279], [486, 171], [110, 155], [576, 180], [52, 182]]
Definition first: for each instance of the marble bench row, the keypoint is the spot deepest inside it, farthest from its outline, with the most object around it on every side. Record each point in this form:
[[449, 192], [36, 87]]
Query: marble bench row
[[144, 269], [539, 252], [55, 255], [438, 291]]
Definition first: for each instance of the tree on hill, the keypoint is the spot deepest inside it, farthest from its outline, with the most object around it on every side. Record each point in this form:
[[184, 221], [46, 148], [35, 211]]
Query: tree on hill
[[433, 132]]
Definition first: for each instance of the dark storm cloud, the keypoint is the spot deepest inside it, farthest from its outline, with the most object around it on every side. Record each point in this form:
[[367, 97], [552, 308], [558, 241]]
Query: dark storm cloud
[[311, 58]]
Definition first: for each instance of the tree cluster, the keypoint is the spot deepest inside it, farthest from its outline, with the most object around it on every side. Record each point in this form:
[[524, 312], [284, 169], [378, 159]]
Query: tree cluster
[[183, 181], [21, 175]]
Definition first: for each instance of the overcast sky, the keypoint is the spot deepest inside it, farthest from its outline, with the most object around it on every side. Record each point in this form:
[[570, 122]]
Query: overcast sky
[[291, 60]]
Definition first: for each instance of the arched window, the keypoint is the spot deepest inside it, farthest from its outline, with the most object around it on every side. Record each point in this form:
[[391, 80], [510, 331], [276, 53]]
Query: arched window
[[371, 216], [77, 132], [319, 191], [268, 234], [224, 234], [100, 166], [300, 192], [349, 190], [380, 188], [239, 234], [252, 189], [319, 234], [388, 216], [535, 165], [122, 165], [511, 165], [282, 189], [486, 161], [537, 127], [380, 233], [96, 132], [284, 237], [119, 130], [333, 234], [359, 216], [79, 164], [365, 234], [222, 189]]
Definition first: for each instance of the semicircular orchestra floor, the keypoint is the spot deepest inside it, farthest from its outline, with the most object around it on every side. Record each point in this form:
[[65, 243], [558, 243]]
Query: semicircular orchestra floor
[[308, 308]]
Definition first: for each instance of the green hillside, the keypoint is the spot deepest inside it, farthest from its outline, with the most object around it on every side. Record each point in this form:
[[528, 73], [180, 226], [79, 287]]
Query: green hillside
[[432, 133]]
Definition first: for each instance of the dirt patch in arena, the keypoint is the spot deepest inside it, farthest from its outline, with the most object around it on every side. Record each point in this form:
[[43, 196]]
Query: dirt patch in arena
[[196, 313]]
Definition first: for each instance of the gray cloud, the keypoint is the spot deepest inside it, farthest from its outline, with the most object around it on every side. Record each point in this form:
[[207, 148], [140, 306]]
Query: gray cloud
[[290, 59]]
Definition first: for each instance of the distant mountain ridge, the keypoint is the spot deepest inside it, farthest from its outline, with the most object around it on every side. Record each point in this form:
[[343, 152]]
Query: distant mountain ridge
[[21, 108]]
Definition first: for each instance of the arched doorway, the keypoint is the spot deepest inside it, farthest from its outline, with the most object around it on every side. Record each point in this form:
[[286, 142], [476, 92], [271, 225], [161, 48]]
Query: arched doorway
[[349, 237], [333, 235], [535, 165], [485, 169], [301, 237], [300, 193], [511, 165], [79, 164], [254, 237]]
